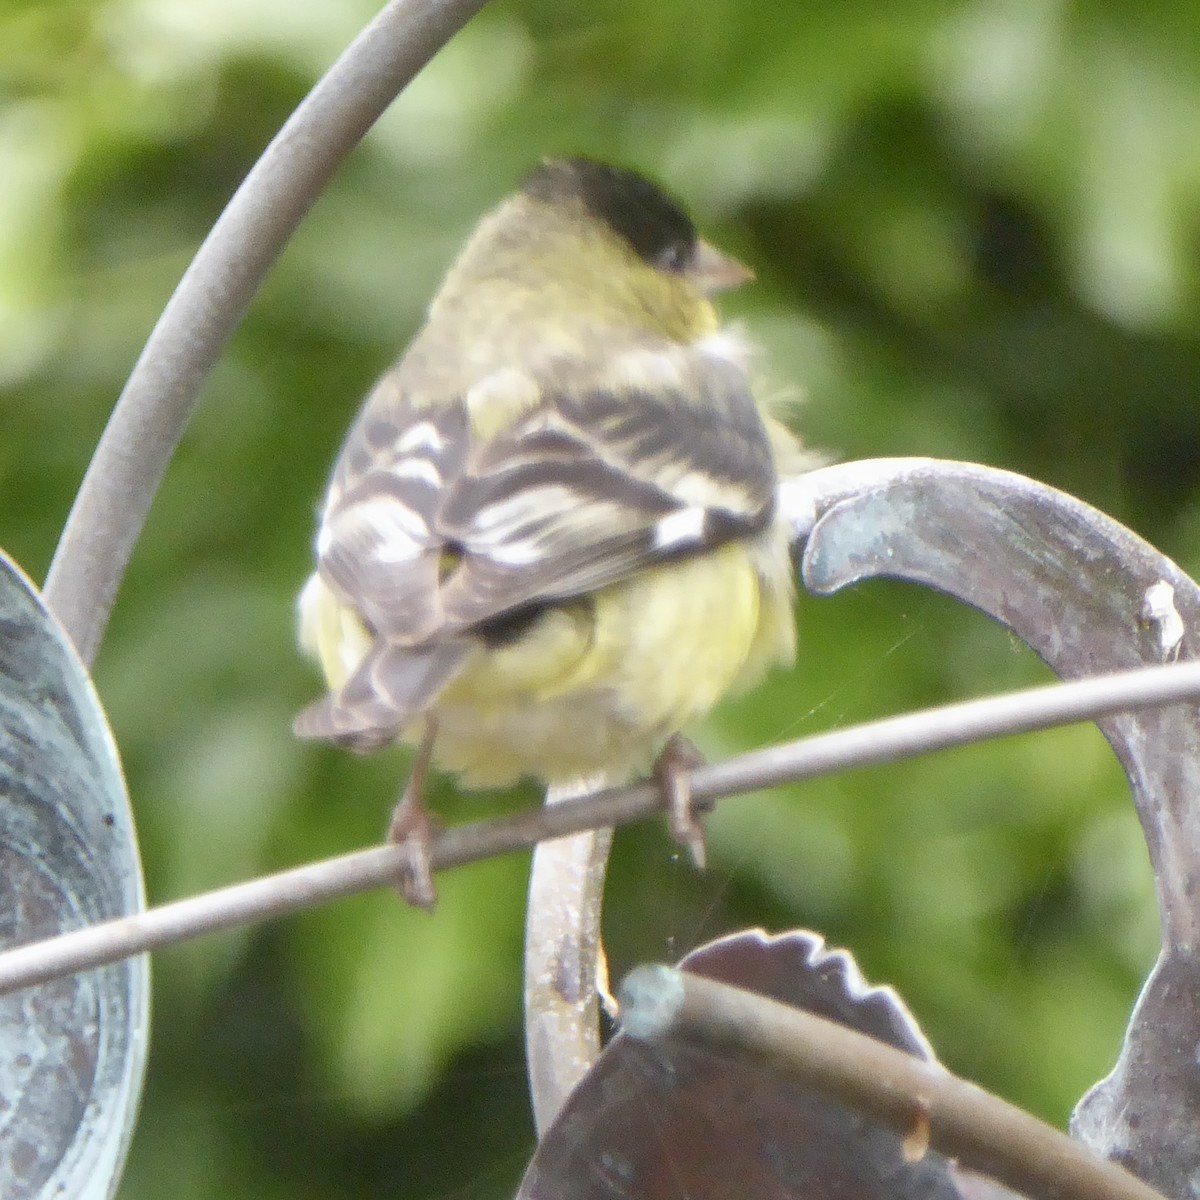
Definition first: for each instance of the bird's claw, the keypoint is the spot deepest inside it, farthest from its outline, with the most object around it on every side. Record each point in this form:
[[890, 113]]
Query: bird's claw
[[673, 769], [414, 829]]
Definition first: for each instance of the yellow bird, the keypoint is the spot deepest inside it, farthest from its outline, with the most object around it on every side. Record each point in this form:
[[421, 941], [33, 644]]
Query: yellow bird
[[550, 540]]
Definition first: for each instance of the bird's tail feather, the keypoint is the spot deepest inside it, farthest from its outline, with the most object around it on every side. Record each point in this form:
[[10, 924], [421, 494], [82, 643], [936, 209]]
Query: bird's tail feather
[[393, 685]]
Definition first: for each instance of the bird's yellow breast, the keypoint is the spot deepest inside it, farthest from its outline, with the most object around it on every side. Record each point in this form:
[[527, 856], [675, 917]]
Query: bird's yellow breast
[[600, 684]]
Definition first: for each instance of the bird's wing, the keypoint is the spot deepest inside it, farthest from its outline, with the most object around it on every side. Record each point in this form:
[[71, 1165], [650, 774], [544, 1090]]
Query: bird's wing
[[428, 535], [603, 479], [379, 547]]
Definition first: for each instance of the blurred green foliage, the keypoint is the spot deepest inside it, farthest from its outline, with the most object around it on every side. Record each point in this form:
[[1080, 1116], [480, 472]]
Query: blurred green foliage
[[975, 227]]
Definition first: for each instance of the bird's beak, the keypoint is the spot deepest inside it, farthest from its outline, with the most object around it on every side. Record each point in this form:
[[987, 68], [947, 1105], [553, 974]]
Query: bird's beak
[[712, 271]]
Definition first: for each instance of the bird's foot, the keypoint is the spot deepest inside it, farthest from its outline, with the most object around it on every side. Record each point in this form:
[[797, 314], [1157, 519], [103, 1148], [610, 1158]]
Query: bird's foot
[[413, 828], [673, 770]]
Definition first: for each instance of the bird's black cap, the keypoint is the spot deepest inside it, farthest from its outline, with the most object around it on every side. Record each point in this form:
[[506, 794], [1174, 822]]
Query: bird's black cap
[[633, 207]]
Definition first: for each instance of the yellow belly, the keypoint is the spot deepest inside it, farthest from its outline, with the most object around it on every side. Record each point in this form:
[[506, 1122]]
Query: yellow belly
[[598, 686]]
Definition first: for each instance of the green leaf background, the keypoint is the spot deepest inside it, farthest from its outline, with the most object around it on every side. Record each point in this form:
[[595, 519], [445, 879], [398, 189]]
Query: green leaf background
[[975, 227]]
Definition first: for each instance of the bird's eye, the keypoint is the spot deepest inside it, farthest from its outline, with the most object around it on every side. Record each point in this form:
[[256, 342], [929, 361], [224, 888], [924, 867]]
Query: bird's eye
[[674, 257]]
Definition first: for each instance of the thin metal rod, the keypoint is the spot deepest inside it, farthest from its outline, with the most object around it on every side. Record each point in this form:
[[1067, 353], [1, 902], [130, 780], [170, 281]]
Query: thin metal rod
[[877, 742]]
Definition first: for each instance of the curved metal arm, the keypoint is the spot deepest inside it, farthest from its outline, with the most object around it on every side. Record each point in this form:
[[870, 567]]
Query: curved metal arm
[[1088, 596], [153, 410], [563, 957]]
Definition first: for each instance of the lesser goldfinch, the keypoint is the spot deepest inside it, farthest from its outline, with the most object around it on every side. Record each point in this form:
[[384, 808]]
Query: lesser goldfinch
[[550, 539]]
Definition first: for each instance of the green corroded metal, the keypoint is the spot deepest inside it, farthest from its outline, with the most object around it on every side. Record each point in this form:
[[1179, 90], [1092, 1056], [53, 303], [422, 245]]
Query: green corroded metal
[[72, 1051]]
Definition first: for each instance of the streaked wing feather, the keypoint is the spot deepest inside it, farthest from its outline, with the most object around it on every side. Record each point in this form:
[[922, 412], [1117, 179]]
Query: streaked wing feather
[[427, 536], [577, 495], [379, 548], [545, 531], [392, 684], [709, 424]]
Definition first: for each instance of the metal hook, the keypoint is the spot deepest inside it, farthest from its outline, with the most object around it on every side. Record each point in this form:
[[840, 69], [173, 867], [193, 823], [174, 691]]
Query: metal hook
[[1088, 596]]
